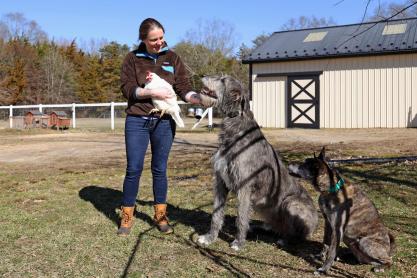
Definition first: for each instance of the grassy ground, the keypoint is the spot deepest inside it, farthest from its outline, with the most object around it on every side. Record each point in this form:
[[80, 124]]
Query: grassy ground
[[59, 219]]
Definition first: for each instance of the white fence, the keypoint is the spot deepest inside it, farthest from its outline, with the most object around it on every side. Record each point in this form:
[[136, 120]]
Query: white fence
[[74, 106]]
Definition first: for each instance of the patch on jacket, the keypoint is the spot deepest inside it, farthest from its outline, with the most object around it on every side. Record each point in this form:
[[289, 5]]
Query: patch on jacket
[[168, 68]]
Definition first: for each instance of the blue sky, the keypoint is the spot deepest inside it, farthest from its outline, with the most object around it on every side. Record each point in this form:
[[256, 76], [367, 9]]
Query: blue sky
[[119, 20]]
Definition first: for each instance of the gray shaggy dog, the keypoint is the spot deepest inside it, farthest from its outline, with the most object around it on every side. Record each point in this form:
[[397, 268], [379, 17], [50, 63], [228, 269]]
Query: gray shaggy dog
[[246, 164]]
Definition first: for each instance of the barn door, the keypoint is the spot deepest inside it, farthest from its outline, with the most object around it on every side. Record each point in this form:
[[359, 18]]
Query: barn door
[[303, 101]]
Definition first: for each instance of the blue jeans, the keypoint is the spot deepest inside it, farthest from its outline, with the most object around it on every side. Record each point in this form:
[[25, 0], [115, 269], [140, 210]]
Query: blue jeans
[[138, 132]]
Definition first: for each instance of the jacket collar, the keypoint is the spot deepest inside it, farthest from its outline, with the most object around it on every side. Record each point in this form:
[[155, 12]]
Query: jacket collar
[[142, 52]]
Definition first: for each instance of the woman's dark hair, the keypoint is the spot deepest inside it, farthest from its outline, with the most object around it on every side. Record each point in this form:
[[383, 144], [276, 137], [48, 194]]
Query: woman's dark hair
[[147, 25]]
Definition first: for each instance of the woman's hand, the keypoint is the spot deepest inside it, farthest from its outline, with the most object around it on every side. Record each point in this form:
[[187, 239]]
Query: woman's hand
[[203, 100]]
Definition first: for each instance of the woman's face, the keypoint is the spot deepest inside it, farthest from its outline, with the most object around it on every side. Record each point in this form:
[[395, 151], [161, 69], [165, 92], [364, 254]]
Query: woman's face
[[155, 40]]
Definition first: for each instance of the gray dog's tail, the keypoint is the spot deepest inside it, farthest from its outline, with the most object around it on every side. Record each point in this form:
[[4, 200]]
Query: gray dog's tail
[[393, 246]]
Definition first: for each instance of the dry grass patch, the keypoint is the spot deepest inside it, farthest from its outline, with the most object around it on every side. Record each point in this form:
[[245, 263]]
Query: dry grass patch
[[59, 218]]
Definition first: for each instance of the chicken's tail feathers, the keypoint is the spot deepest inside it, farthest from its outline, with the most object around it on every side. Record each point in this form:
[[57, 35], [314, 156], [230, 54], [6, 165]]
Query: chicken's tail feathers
[[177, 119]]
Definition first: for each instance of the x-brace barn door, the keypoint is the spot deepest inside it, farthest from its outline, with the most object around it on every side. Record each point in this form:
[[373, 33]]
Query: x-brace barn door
[[303, 101]]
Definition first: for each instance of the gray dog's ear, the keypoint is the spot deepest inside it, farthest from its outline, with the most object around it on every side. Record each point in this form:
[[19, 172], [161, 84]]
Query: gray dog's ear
[[235, 94], [244, 104], [322, 155]]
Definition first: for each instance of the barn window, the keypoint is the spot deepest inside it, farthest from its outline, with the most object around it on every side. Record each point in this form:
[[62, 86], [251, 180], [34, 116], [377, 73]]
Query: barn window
[[394, 29], [315, 37]]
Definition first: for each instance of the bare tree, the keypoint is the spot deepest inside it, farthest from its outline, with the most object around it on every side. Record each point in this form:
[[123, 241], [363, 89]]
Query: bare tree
[[303, 22], [4, 31], [400, 10], [16, 26], [93, 46], [260, 39], [244, 50], [58, 80], [215, 35]]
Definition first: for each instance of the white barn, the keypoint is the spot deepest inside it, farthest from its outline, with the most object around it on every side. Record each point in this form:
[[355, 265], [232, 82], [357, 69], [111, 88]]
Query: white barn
[[351, 76]]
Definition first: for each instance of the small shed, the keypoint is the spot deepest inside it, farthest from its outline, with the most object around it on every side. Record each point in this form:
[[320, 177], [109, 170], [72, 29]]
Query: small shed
[[45, 122], [34, 118], [348, 76], [59, 120]]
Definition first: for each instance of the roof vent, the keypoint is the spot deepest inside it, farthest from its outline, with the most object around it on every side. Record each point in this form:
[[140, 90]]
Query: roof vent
[[394, 29], [315, 37]]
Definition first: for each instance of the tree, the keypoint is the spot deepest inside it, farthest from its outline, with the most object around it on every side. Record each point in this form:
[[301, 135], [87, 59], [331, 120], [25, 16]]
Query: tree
[[112, 56], [202, 61], [90, 88], [209, 49], [14, 83], [92, 46], [20, 72], [198, 59], [304, 22], [16, 26], [387, 10], [57, 77], [244, 50], [215, 35]]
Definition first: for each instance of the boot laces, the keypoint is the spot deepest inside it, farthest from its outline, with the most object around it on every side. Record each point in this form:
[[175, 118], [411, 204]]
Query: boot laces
[[161, 217], [125, 217]]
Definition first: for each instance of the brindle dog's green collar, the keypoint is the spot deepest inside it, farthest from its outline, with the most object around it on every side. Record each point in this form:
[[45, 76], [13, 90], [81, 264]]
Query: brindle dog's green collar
[[337, 186]]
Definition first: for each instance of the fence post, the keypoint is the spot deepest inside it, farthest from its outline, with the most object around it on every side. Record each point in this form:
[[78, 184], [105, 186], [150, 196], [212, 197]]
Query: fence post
[[73, 115], [11, 116], [40, 108], [210, 119], [112, 115]]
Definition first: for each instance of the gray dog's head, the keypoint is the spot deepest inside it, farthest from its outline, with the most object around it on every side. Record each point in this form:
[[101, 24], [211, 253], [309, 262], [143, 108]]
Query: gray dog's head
[[231, 97]]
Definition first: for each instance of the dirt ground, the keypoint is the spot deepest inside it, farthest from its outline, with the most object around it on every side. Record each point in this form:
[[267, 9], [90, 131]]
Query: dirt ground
[[44, 148]]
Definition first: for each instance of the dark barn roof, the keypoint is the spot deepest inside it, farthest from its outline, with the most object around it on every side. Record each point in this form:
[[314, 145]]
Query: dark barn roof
[[371, 38]]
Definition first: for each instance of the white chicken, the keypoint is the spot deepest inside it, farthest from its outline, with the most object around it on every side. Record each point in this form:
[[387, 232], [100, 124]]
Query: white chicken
[[169, 105]]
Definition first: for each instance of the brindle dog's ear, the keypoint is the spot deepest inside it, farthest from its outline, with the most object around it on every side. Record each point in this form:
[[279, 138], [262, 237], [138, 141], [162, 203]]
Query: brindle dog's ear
[[322, 155]]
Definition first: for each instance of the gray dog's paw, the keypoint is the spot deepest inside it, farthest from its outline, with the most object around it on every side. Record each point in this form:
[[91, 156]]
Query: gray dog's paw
[[323, 253], [236, 245], [378, 269], [319, 271], [205, 239], [281, 242]]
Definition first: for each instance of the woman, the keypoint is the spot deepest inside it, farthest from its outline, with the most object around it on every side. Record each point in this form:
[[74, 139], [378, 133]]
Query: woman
[[141, 127]]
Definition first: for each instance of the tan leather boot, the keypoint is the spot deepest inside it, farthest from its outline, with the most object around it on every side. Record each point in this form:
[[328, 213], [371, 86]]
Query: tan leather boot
[[126, 221], [161, 219]]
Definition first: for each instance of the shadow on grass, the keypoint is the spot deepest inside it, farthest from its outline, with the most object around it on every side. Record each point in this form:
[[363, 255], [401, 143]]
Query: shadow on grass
[[105, 200], [379, 176], [108, 200]]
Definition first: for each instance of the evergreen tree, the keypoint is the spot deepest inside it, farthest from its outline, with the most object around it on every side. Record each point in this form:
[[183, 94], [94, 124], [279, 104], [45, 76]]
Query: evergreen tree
[[112, 56], [90, 88]]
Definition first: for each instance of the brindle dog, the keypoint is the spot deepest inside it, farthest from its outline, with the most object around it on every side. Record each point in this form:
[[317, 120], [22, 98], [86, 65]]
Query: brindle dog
[[246, 164], [349, 216]]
